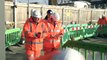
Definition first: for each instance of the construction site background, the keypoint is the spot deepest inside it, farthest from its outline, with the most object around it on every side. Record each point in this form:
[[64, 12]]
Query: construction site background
[[68, 14]]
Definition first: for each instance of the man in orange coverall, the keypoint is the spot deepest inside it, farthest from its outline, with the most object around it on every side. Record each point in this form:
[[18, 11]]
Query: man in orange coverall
[[34, 31], [52, 41], [102, 22], [65, 54], [22, 40]]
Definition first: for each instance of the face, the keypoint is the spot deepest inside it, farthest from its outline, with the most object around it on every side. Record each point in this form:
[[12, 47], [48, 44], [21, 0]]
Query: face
[[36, 19], [52, 19], [48, 15]]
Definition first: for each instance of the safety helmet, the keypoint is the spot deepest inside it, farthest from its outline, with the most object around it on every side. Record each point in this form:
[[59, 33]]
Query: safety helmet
[[68, 54], [49, 12], [32, 10], [57, 16], [35, 13]]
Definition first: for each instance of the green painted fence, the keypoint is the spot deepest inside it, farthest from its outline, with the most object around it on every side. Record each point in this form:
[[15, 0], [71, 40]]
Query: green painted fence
[[81, 31], [85, 46], [12, 36]]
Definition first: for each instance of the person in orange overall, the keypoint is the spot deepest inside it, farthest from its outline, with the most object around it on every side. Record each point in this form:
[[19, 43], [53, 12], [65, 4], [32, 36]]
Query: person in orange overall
[[53, 39], [34, 31], [22, 39], [49, 13], [65, 54], [59, 30], [102, 22], [99, 20]]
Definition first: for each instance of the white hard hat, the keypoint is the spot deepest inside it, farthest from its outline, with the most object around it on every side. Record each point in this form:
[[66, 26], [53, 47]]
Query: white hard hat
[[57, 16], [69, 54], [35, 13], [32, 10]]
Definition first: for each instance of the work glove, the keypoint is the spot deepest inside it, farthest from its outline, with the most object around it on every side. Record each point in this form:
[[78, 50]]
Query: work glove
[[37, 35]]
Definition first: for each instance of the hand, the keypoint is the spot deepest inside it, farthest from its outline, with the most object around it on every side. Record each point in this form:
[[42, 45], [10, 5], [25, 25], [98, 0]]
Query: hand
[[37, 35], [58, 35], [22, 41]]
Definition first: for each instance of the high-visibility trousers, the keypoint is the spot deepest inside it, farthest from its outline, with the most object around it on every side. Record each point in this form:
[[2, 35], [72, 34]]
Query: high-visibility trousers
[[51, 45], [33, 53]]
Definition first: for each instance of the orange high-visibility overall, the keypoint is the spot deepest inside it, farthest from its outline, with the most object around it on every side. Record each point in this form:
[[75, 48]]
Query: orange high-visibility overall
[[102, 21], [49, 56], [58, 31], [34, 34], [52, 41]]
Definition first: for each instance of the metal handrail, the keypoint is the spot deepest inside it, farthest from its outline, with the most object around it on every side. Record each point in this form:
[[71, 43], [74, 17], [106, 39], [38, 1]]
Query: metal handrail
[[87, 46]]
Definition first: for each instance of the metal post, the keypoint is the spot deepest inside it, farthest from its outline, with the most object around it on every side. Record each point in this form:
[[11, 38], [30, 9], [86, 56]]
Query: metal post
[[2, 31], [14, 13], [28, 9], [86, 54], [78, 16], [42, 11], [62, 15], [91, 14], [93, 55], [102, 56]]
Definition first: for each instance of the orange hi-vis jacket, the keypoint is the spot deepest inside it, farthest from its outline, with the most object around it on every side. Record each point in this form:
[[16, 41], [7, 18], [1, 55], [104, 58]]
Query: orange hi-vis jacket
[[34, 34], [58, 31], [102, 21], [53, 38]]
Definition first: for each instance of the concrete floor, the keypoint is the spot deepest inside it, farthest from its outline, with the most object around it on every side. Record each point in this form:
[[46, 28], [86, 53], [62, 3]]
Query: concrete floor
[[19, 52]]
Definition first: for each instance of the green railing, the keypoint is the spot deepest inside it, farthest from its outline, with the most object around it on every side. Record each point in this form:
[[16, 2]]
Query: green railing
[[87, 46], [12, 36]]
